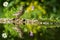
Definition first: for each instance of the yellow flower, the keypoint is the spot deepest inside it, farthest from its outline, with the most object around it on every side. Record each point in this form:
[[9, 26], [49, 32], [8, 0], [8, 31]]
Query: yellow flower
[[35, 3], [29, 8], [29, 26], [38, 27], [34, 31], [44, 12], [41, 8]]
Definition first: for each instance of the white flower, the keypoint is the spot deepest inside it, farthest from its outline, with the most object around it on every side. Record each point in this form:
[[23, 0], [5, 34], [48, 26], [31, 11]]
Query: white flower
[[5, 4], [4, 35]]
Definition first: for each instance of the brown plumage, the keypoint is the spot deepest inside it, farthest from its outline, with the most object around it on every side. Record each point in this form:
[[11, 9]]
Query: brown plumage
[[19, 13], [18, 29]]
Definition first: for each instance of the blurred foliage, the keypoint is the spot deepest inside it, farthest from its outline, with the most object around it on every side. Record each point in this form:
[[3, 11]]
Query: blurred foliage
[[35, 9]]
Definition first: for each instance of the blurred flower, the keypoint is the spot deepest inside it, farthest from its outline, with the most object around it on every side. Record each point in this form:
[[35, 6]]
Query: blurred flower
[[5, 4], [34, 30], [38, 27], [31, 34], [35, 3], [4, 35], [42, 9], [29, 26], [32, 7]]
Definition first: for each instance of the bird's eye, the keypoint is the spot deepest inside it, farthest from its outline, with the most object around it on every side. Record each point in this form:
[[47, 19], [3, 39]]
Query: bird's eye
[[23, 23], [23, 19], [13, 18]]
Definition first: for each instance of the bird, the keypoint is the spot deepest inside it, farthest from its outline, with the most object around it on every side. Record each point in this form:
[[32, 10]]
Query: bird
[[18, 14]]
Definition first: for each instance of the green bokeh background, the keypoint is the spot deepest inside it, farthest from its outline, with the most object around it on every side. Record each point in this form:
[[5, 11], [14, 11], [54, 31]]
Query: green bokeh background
[[43, 9]]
